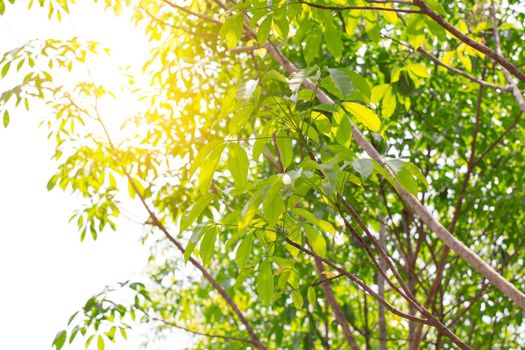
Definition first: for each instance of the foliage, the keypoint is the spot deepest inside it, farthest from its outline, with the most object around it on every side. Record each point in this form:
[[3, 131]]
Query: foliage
[[249, 176]]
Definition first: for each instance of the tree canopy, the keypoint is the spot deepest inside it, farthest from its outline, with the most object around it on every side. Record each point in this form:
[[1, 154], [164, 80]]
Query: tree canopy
[[314, 174]]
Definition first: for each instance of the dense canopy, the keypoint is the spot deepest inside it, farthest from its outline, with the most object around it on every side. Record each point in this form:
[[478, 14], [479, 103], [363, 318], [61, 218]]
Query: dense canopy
[[314, 174]]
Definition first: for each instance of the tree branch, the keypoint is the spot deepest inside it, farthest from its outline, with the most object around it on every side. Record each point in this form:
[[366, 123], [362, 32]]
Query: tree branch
[[347, 8], [497, 57]]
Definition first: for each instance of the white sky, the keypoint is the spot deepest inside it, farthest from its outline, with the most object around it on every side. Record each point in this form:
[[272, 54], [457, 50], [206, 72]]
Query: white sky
[[46, 273]]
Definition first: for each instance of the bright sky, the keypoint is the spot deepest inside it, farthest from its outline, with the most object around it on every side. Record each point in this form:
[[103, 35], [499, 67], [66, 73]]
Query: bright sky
[[46, 273]]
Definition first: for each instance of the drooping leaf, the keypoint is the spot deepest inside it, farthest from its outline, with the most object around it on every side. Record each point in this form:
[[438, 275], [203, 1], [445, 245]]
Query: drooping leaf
[[238, 163], [316, 240], [60, 339], [273, 204], [265, 282], [207, 246], [297, 299], [243, 251]]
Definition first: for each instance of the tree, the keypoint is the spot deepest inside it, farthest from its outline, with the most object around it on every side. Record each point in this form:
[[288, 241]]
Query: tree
[[337, 174]]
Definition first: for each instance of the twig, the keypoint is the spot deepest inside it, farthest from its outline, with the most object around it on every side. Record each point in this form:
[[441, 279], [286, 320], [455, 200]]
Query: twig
[[497, 57]]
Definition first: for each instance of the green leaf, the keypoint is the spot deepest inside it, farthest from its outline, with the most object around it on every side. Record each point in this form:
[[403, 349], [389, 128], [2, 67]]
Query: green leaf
[[264, 30], [208, 245], [208, 168], [5, 69], [365, 167], [100, 343], [297, 299], [265, 282], [60, 339], [312, 219], [364, 114], [311, 47], [196, 210], [194, 240], [243, 251], [231, 30], [316, 240], [389, 103], [332, 37], [407, 181], [284, 144], [238, 163], [2, 7], [6, 118], [310, 294], [419, 70], [414, 170], [342, 129], [273, 204], [342, 81], [203, 154]]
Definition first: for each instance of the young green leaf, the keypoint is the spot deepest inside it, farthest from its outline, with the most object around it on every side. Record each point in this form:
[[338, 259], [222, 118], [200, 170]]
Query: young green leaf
[[196, 210], [310, 294], [311, 47], [284, 144], [208, 245], [316, 240], [264, 30], [6, 118], [243, 252], [238, 163], [100, 343], [60, 339], [364, 167], [273, 204], [364, 114], [332, 35], [297, 299], [231, 30], [265, 282], [208, 168]]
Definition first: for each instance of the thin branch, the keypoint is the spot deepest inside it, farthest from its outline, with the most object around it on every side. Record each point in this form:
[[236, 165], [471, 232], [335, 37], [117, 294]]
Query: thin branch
[[156, 222], [362, 285], [515, 91], [498, 140], [481, 82], [497, 57], [192, 13], [381, 321], [209, 335], [347, 8], [336, 308], [451, 241]]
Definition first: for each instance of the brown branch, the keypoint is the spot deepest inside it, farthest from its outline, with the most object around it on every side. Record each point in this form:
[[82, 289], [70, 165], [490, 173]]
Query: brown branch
[[192, 13], [440, 268], [336, 308], [381, 321], [347, 8], [326, 279], [482, 291], [515, 91], [452, 242], [481, 82], [362, 285], [156, 222], [498, 140], [209, 335], [497, 57], [174, 26]]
